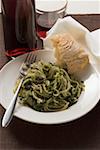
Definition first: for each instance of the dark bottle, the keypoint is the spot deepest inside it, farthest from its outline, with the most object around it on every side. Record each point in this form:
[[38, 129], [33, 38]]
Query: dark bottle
[[19, 20]]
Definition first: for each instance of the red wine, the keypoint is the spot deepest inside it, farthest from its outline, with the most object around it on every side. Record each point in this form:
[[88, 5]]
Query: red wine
[[19, 21]]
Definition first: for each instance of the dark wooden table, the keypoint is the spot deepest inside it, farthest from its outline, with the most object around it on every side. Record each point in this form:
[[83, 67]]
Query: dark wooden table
[[82, 134]]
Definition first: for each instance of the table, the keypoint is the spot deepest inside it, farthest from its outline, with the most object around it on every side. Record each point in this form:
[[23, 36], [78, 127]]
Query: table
[[82, 134]]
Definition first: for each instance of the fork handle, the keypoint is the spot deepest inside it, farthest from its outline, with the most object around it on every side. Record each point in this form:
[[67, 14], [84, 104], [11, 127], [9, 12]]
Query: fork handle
[[10, 110]]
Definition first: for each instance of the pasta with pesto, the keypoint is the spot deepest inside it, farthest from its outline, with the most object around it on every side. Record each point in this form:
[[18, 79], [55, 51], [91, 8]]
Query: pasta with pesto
[[49, 88]]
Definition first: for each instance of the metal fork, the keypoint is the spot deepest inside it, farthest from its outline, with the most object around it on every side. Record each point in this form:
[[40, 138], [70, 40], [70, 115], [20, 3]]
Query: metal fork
[[30, 58]]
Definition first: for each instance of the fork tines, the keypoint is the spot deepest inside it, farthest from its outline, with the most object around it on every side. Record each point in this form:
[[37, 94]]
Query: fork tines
[[30, 58]]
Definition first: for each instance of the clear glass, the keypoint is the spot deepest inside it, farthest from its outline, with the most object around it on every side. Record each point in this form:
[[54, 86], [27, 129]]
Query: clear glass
[[47, 12]]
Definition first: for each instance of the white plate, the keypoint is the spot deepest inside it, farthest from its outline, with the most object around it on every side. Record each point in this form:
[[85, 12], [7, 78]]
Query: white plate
[[87, 100]]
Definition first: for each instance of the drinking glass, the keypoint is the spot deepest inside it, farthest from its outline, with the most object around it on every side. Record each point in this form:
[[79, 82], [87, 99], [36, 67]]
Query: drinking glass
[[48, 11]]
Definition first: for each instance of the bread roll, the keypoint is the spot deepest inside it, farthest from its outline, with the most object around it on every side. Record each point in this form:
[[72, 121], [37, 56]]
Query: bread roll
[[69, 54]]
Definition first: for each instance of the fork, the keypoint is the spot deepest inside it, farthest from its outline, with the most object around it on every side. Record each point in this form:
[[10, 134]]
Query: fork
[[23, 71]]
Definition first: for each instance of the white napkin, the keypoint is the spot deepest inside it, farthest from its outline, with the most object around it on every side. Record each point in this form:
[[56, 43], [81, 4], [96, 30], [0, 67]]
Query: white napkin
[[81, 34]]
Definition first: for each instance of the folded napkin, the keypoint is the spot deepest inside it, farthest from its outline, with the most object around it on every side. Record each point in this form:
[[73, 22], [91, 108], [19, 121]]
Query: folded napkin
[[81, 34]]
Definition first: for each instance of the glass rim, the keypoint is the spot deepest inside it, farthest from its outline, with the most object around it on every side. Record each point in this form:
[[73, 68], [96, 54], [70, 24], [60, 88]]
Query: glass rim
[[43, 11], [51, 11]]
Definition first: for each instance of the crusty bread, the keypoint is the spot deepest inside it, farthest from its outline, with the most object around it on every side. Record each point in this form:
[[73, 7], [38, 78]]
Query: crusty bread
[[69, 54]]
